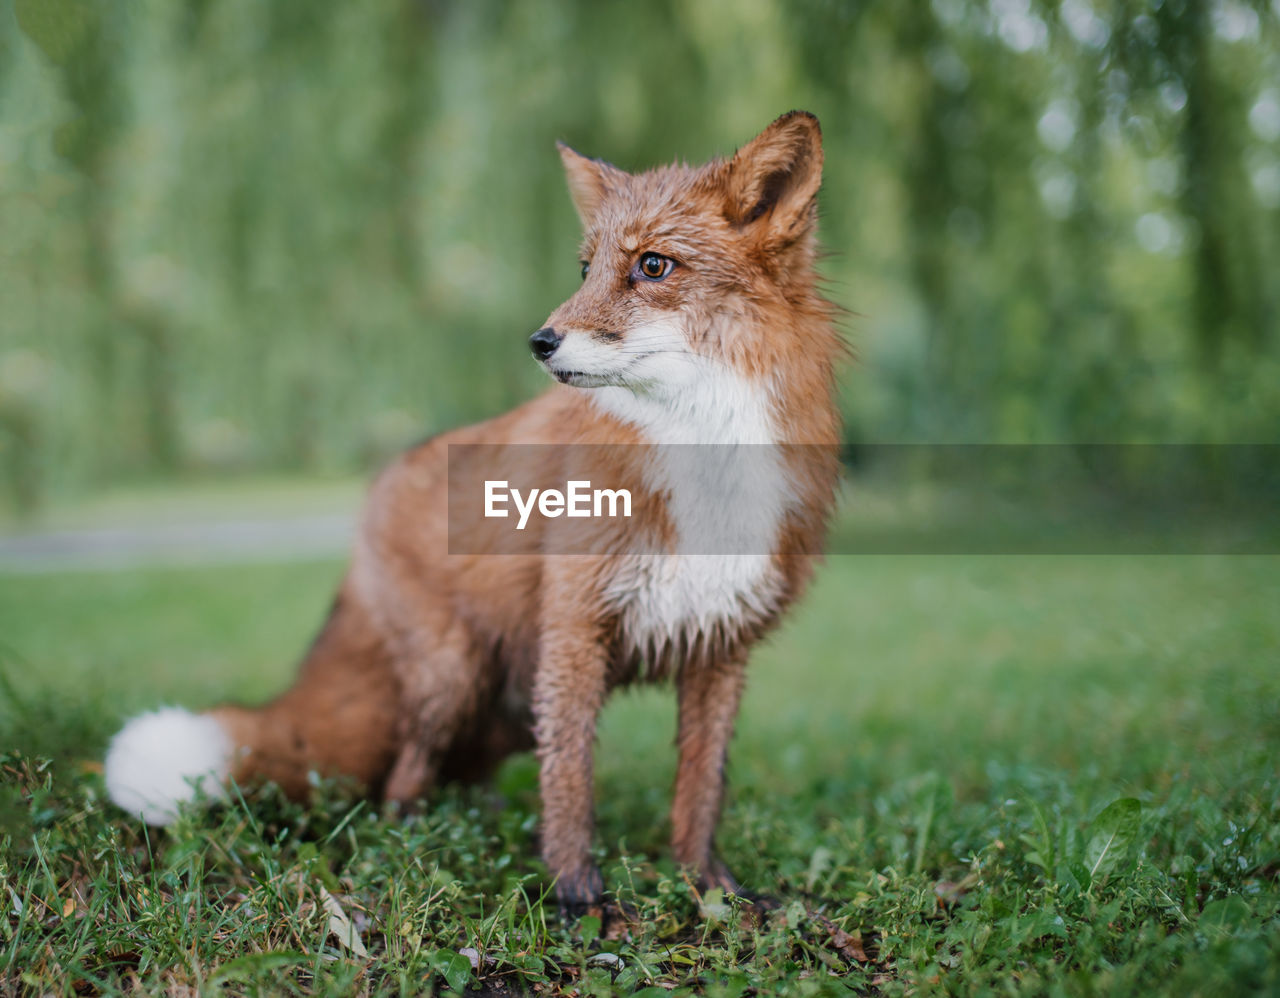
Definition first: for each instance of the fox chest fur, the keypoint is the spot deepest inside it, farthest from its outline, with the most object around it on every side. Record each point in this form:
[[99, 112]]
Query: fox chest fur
[[725, 494]]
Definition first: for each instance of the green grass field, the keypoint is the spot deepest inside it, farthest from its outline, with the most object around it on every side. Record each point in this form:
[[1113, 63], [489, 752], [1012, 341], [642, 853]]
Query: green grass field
[[962, 775]]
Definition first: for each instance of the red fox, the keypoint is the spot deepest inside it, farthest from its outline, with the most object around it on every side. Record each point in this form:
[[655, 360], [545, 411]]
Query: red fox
[[698, 321]]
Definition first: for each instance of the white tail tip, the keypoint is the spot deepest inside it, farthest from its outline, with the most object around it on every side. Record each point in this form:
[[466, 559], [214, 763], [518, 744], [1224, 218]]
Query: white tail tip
[[158, 759]]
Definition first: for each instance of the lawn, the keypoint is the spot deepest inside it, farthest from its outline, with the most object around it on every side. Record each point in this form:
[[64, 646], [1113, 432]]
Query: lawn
[[962, 775]]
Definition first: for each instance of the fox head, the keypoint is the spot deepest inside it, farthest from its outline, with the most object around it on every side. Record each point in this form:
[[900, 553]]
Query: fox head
[[689, 269]]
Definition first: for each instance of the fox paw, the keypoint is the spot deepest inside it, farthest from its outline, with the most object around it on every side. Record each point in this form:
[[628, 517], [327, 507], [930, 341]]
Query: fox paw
[[580, 894]]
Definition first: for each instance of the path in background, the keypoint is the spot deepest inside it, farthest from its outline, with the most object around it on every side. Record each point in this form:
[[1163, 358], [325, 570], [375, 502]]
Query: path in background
[[114, 548], [268, 519]]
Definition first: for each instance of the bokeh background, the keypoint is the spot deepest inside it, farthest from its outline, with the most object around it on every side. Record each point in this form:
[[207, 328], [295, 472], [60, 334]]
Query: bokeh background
[[244, 237], [249, 248]]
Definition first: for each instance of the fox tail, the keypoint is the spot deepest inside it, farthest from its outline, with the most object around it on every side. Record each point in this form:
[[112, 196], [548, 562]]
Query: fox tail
[[339, 718]]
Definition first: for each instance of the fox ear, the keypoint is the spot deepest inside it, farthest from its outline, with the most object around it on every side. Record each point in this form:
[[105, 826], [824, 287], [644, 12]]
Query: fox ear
[[773, 180], [590, 181]]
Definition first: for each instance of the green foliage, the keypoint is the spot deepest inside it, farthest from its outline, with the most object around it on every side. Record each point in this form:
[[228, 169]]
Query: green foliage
[[300, 234], [59, 27], [960, 775], [1110, 836]]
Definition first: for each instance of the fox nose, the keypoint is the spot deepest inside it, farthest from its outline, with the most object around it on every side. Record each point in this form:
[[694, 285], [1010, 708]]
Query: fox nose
[[543, 343]]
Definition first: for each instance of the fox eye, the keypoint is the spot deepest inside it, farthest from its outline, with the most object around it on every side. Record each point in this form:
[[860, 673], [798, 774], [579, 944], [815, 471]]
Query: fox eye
[[655, 267], [585, 267]]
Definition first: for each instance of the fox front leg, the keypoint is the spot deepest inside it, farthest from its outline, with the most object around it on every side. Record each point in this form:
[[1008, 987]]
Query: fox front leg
[[709, 694], [569, 689]]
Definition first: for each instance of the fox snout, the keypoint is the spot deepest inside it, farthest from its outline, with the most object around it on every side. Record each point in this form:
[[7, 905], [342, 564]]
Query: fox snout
[[574, 356], [544, 342]]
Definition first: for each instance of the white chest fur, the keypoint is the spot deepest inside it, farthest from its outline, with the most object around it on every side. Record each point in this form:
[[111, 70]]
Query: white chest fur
[[715, 460]]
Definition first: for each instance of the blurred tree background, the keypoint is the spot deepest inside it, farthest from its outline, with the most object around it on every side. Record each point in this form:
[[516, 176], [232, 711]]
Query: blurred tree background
[[298, 234]]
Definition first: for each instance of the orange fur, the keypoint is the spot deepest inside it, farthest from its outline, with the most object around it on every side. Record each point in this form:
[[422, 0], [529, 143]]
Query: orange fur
[[435, 666]]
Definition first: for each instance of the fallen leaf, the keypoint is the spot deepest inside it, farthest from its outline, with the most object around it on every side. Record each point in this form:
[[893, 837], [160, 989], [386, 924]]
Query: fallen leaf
[[340, 925], [849, 945]]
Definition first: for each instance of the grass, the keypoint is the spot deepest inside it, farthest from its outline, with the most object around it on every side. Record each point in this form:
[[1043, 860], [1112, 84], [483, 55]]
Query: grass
[[963, 775]]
